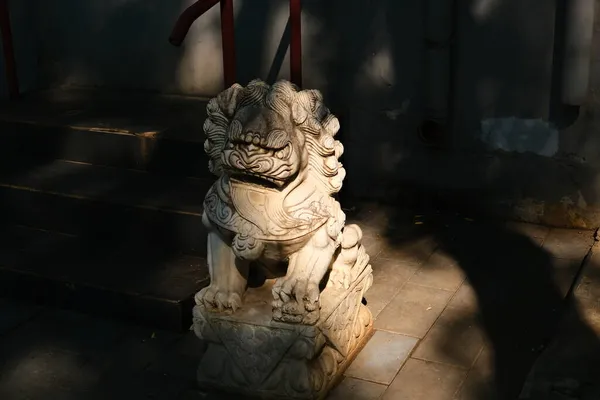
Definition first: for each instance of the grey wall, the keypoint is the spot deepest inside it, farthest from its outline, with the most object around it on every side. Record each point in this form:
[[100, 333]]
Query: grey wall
[[347, 46], [513, 147]]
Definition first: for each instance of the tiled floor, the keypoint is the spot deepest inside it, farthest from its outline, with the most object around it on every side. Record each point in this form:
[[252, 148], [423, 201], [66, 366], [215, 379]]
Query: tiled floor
[[462, 308], [443, 296]]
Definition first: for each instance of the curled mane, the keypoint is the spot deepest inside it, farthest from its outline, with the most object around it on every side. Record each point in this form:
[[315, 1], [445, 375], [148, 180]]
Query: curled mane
[[306, 110]]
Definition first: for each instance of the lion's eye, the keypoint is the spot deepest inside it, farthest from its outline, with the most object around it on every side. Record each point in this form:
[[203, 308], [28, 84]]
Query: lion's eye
[[284, 153]]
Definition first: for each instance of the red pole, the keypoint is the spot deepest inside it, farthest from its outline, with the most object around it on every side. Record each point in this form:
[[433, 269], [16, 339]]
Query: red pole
[[9, 51], [187, 18], [228, 42], [296, 42]]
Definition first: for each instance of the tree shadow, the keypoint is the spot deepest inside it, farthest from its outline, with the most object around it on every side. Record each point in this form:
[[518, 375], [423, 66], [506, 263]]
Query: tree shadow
[[519, 289]]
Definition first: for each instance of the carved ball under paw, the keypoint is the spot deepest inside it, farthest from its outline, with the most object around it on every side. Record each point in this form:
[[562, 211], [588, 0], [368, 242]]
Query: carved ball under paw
[[294, 312], [217, 299], [296, 301]]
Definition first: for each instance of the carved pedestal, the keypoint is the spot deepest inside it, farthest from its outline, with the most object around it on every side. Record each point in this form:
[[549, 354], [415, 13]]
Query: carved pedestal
[[250, 354]]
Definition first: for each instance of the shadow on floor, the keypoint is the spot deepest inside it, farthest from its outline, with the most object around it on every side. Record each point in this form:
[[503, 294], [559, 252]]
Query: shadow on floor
[[570, 366], [520, 305]]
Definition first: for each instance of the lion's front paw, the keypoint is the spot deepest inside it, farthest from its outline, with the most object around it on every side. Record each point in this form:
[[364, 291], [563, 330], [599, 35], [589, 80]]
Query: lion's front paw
[[213, 297], [296, 301]]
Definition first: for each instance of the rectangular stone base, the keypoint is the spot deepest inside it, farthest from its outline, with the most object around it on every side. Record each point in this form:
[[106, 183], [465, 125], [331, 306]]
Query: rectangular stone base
[[249, 353]]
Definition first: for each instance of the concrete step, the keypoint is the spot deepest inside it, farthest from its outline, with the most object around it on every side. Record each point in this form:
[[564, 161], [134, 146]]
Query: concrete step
[[131, 246], [148, 286], [131, 130], [127, 206], [101, 203]]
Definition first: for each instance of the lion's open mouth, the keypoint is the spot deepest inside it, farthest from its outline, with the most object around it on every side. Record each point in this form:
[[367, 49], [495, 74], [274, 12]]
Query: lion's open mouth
[[252, 164], [281, 153], [256, 179]]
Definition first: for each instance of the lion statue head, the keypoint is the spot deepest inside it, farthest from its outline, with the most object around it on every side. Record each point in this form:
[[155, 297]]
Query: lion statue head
[[273, 136]]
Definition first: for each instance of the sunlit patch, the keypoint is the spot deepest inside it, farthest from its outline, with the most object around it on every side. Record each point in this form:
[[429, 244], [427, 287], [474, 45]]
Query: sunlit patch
[[481, 10], [380, 67]]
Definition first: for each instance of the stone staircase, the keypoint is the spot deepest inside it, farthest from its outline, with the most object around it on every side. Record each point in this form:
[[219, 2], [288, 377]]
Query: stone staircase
[[101, 203]]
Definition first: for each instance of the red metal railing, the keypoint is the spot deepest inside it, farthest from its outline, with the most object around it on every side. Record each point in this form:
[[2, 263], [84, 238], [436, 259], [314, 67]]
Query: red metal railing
[[296, 42], [193, 12], [10, 64], [228, 42]]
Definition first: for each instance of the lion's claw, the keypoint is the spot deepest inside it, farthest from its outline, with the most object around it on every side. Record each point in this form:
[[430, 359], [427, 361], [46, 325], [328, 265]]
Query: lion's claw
[[295, 301], [216, 299]]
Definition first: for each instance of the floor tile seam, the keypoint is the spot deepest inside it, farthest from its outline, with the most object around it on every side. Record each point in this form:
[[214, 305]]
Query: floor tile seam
[[469, 372], [402, 261], [408, 357], [459, 367], [585, 262], [453, 291], [400, 333], [572, 258], [466, 368], [544, 242], [442, 311], [438, 316], [420, 267], [369, 380], [395, 293], [402, 286], [410, 275]]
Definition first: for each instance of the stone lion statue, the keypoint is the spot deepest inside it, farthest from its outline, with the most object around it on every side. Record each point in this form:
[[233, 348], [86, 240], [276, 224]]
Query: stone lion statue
[[272, 213]]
